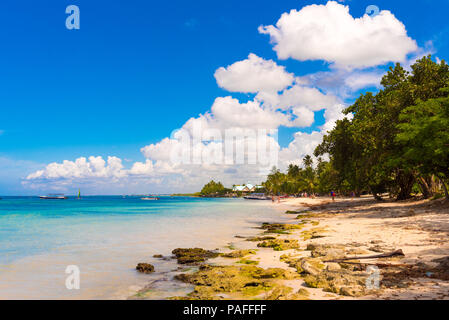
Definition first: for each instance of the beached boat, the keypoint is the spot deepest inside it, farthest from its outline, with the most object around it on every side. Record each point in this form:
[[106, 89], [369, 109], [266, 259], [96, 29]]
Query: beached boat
[[54, 197], [257, 196]]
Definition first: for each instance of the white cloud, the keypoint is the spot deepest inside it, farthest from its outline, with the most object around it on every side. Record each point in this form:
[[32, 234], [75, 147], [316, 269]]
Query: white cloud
[[229, 112], [299, 96], [332, 115], [142, 169], [82, 168], [253, 75], [360, 80], [303, 144], [329, 32]]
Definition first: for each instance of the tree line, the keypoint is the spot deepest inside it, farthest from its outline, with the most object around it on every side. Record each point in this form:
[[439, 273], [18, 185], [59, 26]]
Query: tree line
[[395, 141]]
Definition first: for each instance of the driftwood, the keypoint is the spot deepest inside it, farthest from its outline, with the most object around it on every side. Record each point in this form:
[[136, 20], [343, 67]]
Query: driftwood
[[380, 265], [377, 256]]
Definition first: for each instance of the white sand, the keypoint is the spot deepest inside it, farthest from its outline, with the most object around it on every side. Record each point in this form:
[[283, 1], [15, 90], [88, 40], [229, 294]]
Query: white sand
[[420, 229]]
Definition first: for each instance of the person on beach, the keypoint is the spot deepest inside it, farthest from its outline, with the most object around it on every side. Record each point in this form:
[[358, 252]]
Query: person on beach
[[333, 195]]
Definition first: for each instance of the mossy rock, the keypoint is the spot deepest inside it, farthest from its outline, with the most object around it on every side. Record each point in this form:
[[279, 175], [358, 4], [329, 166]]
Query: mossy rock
[[215, 282], [257, 239], [274, 273], [328, 252], [278, 227], [314, 233], [302, 294], [145, 267], [332, 266], [292, 261], [276, 231], [243, 280], [279, 244], [193, 255], [339, 282], [312, 265], [280, 292], [247, 261], [238, 253]]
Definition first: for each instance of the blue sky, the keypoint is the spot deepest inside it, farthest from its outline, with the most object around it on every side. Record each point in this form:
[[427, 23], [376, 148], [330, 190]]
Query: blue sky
[[135, 71]]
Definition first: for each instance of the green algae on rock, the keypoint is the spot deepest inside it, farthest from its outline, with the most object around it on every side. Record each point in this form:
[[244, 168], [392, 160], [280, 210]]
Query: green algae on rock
[[312, 266], [210, 281], [327, 251], [145, 267], [238, 253], [247, 261], [314, 233], [281, 228], [193, 255], [280, 292], [341, 282], [257, 239], [218, 282], [279, 244]]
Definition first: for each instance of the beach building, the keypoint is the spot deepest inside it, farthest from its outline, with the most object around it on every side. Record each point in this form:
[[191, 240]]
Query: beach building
[[246, 188]]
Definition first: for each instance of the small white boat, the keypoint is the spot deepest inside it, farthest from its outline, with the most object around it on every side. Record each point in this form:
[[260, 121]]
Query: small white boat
[[149, 198], [54, 197]]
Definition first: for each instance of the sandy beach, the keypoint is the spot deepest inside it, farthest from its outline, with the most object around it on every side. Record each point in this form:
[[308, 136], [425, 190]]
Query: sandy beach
[[294, 259]]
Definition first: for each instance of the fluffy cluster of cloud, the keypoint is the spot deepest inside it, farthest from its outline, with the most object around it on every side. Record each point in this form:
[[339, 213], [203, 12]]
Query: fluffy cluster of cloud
[[81, 168], [329, 32], [253, 75], [278, 99]]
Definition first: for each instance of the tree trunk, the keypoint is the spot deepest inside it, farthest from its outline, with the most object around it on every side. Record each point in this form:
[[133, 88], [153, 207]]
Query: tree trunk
[[444, 188], [433, 183], [375, 194], [425, 189], [405, 182]]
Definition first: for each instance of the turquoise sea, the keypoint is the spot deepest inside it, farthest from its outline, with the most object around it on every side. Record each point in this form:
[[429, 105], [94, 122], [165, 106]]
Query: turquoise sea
[[106, 236]]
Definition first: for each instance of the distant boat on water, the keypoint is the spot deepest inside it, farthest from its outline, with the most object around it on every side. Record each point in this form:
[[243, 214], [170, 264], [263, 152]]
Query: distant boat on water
[[54, 197], [149, 198], [256, 196]]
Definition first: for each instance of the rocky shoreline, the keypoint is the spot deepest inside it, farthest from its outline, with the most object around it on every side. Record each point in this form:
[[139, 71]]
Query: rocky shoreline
[[321, 253]]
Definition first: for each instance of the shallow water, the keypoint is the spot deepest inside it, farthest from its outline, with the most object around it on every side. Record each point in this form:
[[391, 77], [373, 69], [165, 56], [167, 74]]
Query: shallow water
[[106, 237]]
